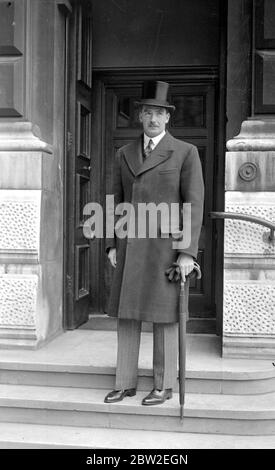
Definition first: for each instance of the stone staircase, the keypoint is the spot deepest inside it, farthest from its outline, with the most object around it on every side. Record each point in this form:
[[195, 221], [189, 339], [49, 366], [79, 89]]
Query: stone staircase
[[53, 397]]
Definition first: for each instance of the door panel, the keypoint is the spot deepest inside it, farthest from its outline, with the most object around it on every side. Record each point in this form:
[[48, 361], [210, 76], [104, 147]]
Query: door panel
[[78, 166], [193, 121]]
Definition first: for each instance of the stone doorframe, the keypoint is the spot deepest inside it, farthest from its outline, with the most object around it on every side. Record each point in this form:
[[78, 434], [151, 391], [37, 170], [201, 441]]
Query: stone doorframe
[[31, 176], [249, 257]]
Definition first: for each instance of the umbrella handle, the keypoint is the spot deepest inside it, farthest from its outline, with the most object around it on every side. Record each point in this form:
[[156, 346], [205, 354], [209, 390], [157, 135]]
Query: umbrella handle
[[197, 270], [174, 273]]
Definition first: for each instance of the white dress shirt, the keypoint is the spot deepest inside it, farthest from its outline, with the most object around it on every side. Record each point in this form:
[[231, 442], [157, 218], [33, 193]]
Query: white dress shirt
[[155, 140]]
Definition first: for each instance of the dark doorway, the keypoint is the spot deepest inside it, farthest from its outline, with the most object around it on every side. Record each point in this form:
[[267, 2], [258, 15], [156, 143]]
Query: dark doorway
[[194, 94], [101, 117]]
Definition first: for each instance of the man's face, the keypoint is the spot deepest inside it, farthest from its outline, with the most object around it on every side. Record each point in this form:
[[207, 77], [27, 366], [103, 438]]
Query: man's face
[[153, 119]]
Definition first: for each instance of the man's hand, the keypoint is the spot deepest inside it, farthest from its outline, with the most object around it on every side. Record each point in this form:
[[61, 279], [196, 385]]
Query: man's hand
[[112, 256], [186, 264]]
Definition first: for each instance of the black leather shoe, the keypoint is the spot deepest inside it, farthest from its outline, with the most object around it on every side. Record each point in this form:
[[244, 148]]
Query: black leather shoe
[[118, 395], [156, 397]]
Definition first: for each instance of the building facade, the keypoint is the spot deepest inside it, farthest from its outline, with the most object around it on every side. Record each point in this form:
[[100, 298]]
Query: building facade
[[69, 75]]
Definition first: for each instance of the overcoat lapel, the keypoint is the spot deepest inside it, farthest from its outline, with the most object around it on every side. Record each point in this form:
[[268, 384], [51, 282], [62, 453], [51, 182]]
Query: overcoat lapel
[[134, 157]]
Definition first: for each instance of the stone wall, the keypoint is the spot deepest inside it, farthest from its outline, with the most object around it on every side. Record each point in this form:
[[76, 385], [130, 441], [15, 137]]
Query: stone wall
[[31, 175], [249, 255]]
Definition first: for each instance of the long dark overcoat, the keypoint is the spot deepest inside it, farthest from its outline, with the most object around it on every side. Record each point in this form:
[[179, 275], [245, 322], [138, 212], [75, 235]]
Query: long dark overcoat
[[171, 174]]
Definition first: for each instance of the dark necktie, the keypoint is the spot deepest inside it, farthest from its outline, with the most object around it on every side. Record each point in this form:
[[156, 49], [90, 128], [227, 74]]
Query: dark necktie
[[148, 149]]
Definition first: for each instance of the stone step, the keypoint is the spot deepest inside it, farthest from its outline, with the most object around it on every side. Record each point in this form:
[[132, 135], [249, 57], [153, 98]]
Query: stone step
[[34, 436], [204, 413], [197, 325], [87, 359], [214, 382]]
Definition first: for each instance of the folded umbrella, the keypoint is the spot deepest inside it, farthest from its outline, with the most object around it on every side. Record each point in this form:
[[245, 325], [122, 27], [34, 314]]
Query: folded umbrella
[[174, 275]]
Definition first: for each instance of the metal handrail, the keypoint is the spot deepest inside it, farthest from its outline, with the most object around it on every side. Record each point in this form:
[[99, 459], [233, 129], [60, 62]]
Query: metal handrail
[[247, 218]]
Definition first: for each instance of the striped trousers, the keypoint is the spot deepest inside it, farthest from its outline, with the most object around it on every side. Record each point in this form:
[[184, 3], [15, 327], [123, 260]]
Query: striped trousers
[[165, 349]]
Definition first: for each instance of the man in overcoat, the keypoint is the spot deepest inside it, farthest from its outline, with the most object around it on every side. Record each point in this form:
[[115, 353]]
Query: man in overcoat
[[156, 168]]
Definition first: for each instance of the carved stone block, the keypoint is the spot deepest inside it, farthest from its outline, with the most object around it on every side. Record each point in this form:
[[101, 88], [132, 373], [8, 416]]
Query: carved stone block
[[18, 300], [19, 220], [250, 171], [246, 238], [249, 308]]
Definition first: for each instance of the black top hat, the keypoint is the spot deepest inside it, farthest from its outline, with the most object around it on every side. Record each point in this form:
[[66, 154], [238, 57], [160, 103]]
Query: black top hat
[[154, 93]]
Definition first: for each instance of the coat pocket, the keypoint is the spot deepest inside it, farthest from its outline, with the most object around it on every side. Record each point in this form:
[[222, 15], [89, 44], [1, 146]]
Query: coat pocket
[[169, 170]]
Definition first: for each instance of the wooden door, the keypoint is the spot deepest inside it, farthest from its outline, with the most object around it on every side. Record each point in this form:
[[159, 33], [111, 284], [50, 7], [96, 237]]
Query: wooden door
[[78, 164], [193, 121]]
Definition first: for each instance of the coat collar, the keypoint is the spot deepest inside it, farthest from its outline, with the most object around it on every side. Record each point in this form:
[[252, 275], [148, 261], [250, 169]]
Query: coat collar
[[134, 154]]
